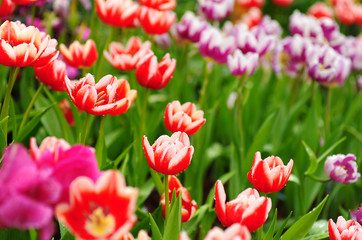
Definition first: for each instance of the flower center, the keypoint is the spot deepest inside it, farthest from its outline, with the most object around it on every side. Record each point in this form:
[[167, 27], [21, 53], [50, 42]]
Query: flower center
[[100, 224]]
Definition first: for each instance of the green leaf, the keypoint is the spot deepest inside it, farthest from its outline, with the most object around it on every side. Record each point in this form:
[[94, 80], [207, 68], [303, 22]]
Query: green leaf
[[329, 150], [156, 234], [64, 233], [173, 224], [313, 165], [301, 227], [145, 191], [2, 140], [11, 234], [269, 234], [31, 124], [281, 229]]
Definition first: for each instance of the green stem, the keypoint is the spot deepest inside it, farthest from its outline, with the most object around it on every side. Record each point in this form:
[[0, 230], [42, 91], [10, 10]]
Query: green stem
[[101, 136], [5, 107], [239, 109], [30, 106], [318, 179], [85, 127], [204, 85], [328, 110], [33, 13], [102, 58], [167, 198]]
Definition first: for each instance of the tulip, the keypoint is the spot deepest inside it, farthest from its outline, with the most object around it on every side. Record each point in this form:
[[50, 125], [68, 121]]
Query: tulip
[[216, 9], [7, 7], [142, 235], [345, 11], [190, 27], [306, 26], [52, 75], [344, 230], [169, 155], [126, 59], [109, 96], [250, 3], [151, 74], [357, 215], [342, 168], [156, 22], [24, 2], [269, 175], [101, 210], [234, 232], [320, 10], [27, 192], [78, 55], [239, 64], [161, 5], [119, 13], [189, 206], [22, 46], [67, 111], [253, 17], [267, 26], [184, 118], [283, 3], [52, 145], [214, 45], [248, 208]]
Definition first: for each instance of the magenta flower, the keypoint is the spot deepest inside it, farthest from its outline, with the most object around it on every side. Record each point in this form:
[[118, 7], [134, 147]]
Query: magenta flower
[[357, 215], [341, 168], [27, 194], [240, 63], [216, 9], [306, 26], [190, 27]]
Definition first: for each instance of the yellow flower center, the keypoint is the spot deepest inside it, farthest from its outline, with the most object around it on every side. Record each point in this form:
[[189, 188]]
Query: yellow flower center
[[100, 224]]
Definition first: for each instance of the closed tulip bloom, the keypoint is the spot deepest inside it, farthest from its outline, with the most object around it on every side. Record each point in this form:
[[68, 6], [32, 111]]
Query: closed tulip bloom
[[234, 232], [67, 111], [156, 22], [22, 46], [151, 74], [7, 7], [345, 11], [342, 168], [240, 64], [251, 3], [53, 75], [78, 55], [101, 210], [126, 58], [109, 96], [169, 155], [119, 13], [51, 144], [24, 2], [248, 208], [191, 26], [344, 230], [162, 5], [283, 3], [253, 17], [184, 118], [320, 10], [269, 175], [189, 206]]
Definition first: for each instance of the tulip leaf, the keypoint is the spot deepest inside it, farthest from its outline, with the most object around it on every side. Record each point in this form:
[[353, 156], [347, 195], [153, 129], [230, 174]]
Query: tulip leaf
[[31, 124], [11, 234], [156, 234], [64, 233], [145, 191], [301, 227], [269, 234], [313, 165], [192, 224], [2, 140], [329, 150], [173, 223], [281, 229]]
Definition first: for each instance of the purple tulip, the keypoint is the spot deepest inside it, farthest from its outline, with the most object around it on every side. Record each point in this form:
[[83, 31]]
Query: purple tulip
[[214, 45], [328, 67], [341, 168], [190, 27], [267, 26], [216, 9], [357, 215], [352, 49], [240, 63], [306, 26], [27, 194]]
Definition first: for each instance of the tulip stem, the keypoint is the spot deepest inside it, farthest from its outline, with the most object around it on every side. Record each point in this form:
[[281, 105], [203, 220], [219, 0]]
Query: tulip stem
[[5, 107], [167, 198], [33, 13], [101, 60], [30, 106], [85, 127], [239, 109], [259, 233], [204, 84], [328, 110]]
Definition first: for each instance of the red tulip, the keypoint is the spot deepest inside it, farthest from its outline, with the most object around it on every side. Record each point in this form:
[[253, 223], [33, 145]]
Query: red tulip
[[189, 206], [109, 96], [53, 75], [51, 144], [127, 58], [24, 2], [344, 11], [119, 13], [67, 111], [7, 7], [253, 17], [78, 55], [162, 5], [248, 208], [169, 155], [344, 230], [22, 46], [156, 22], [151, 74], [184, 118], [320, 10], [251, 3], [269, 175], [283, 3], [142, 235], [234, 232], [104, 210]]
